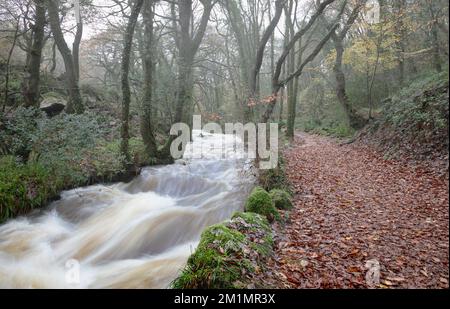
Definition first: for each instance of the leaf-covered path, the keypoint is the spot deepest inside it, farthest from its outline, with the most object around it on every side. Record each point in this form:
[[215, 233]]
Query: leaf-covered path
[[353, 206]]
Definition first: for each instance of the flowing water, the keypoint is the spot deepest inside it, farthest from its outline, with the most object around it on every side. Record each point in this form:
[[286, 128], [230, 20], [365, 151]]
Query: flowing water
[[133, 235]]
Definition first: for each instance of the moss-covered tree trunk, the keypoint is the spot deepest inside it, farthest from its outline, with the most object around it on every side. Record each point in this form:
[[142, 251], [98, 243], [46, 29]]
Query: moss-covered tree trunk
[[353, 119]]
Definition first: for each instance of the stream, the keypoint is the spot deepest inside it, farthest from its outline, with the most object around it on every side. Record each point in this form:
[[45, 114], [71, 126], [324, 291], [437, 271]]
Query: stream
[[128, 235]]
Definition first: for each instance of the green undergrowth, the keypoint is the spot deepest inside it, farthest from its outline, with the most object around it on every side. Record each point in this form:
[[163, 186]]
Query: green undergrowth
[[325, 116], [414, 122], [41, 156], [228, 254], [338, 130], [24, 187]]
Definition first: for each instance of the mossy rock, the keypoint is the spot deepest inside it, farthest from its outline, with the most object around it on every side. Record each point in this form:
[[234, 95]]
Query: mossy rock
[[261, 203], [226, 253], [281, 199], [256, 226]]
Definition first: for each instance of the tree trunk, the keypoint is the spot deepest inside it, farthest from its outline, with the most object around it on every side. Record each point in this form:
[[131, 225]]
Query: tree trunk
[[146, 123], [400, 30], [436, 54], [8, 61], [435, 37], [53, 67], [126, 92], [262, 46], [188, 44], [244, 51], [291, 68], [185, 63], [31, 92], [353, 119], [74, 105], [276, 83], [77, 41]]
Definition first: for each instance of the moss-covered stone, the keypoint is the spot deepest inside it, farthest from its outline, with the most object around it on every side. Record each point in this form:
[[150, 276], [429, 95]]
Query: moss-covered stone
[[281, 199], [256, 226], [261, 203], [227, 253]]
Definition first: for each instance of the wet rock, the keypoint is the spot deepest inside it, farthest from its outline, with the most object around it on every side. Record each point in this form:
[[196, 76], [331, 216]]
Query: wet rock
[[53, 106]]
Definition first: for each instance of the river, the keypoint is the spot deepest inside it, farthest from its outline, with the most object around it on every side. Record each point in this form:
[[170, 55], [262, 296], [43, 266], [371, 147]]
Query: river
[[127, 235]]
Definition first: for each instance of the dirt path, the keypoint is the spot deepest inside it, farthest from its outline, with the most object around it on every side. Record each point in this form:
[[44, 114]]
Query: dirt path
[[351, 207]]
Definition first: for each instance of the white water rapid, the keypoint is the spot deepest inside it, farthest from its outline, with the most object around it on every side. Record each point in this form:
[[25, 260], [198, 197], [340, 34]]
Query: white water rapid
[[126, 235]]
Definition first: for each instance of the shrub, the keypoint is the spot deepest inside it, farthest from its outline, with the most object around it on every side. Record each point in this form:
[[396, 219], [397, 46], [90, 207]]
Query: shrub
[[261, 203], [92, 91], [103, 161], [281, 199], [24, 187], [414, 123], [340, 131], [62, 142], [18, 130], [421, 106]]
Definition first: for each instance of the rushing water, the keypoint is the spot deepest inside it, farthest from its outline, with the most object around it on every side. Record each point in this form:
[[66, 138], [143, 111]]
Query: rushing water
[[134, 235]]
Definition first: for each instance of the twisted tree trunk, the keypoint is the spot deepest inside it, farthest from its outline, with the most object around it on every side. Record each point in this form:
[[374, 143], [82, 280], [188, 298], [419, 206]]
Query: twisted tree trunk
[[74, 105]]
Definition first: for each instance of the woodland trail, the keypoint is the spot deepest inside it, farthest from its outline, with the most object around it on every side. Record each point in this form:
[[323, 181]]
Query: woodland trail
[[353, 206]]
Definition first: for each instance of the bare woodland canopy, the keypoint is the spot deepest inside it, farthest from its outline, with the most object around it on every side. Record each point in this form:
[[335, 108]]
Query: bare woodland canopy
[[163, 61]]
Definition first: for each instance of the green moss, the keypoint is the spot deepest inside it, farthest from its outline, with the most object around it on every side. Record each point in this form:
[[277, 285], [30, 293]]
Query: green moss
[[253, 219], [261, 203], [256, 226], [281, 199], [212, 264], [226, 253]]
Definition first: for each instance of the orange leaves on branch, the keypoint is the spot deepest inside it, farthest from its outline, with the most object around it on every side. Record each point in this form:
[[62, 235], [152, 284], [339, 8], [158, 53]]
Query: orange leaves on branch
[[252, 102]]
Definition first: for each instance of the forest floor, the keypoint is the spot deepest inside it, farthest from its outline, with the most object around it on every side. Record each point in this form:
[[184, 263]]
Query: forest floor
[[356, 213]]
